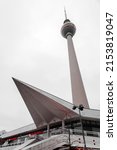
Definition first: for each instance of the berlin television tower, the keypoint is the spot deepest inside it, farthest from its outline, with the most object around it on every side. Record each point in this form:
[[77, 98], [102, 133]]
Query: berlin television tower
[[78, 92]]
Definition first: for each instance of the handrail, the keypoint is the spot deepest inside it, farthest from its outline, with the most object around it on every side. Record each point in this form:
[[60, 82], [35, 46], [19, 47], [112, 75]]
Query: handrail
[[66, 132], [75, 131], [52, 142]]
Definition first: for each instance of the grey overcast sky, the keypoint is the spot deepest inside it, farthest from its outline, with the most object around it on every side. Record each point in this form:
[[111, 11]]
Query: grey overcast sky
[[33, 50]]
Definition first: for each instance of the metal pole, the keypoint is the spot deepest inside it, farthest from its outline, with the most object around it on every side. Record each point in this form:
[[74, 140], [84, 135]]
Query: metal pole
[[48, 130], [63, 126], [69, 139], [82, 129]]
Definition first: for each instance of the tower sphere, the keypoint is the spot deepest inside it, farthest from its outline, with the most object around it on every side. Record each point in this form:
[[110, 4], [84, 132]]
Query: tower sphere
[[68, 28]]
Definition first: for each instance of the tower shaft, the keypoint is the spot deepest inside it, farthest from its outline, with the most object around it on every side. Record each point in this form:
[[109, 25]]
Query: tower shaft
[[78, 91]]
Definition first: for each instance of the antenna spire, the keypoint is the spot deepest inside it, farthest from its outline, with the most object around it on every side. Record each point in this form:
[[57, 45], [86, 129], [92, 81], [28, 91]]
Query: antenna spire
[[65, 13]]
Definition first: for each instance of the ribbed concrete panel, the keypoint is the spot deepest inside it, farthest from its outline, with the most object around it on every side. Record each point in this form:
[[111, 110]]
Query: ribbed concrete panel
[[43, 106]]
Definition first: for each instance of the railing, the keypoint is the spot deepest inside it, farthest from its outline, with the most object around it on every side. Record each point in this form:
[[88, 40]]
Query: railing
[[59, 140], [66, 132], [75, 132], [49, 143]]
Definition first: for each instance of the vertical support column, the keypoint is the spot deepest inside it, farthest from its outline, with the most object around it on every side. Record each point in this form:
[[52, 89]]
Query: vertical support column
[[78, 92], [48, 130], [63, 126]]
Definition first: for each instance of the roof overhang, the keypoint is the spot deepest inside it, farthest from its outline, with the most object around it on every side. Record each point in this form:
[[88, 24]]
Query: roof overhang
[[44, 107]]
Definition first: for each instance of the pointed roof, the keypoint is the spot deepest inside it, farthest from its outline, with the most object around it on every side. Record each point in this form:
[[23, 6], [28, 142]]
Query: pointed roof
[[43, 106]]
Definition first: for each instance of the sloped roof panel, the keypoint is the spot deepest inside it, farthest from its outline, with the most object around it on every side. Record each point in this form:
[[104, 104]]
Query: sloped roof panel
[[43, 106]]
